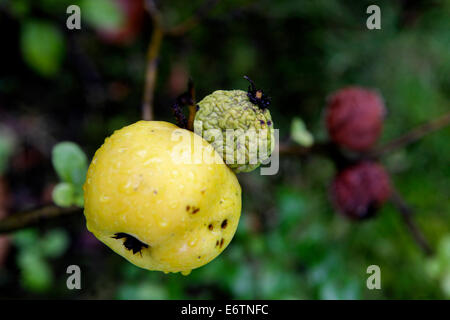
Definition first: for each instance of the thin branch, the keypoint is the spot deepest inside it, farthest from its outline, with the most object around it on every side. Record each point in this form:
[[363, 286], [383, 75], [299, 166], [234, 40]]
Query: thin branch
[[413, 135], [192, 106], [152, 60], [152, 69], [407, 214], [154, 48], [194, 20], [30, 218]]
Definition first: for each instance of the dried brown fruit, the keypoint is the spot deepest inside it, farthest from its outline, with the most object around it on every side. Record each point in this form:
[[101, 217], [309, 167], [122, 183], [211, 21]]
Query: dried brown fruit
[[354, 117], [360, 190]]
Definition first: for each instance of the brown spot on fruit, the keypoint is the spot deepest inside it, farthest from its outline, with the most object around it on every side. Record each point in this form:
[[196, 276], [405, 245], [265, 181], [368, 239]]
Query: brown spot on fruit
[[221, 242], [188, 208], [224, 224], [195, 210], [217, 243], [210, 227]]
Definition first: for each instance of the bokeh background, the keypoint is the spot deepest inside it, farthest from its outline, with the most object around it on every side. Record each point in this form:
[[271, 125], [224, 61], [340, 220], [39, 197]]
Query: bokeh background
[[81, 85]]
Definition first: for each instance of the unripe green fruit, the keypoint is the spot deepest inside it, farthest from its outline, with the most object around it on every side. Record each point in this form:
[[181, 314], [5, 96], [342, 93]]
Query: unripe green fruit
[[230, 116]]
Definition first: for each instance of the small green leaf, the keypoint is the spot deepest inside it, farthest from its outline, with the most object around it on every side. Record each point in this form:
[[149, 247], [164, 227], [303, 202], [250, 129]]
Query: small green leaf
[[79, 200], [63, 194], [36, 274], [43, 47], [103, 14], [55, 243], [70, 163], [300, 134], [25, 238]]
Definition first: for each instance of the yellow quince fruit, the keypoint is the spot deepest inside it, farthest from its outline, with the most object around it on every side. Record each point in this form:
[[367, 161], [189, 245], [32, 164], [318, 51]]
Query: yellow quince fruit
[[161, 197]]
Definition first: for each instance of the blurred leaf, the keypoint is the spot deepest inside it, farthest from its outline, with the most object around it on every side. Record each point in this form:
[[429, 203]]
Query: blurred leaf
[[7, 144], [70, 163], [25, 238], [55, 243], [20, 8], [63, 194], [102, 14], [291, 206], [79, 200], [142, 291], [43, 46], [36, 274], [300, 134]]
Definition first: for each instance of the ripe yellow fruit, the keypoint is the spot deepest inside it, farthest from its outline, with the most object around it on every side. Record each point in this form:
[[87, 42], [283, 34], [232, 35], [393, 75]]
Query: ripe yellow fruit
[[148, 203]]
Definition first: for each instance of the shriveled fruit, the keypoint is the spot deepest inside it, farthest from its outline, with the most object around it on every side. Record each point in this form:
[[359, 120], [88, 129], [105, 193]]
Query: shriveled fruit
[[360, 190]]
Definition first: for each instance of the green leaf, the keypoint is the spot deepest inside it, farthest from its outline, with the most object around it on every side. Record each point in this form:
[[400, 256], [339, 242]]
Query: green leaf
[[64, 194], [36, 274], [102, 14], [300, 134], [142, 291], [42, 46], [70, 162], [79, 200], [55, 243]]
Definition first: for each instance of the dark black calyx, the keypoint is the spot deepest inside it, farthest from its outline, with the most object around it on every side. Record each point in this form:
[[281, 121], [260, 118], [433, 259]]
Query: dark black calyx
[[131, 243], [257, 97], [185, 99]]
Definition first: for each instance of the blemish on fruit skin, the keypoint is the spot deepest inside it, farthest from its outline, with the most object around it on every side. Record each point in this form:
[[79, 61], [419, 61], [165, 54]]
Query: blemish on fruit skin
[[210, 227], [217, 243], [221, 242], [131, 243], [188, 208], [194, 211], [224, 224]]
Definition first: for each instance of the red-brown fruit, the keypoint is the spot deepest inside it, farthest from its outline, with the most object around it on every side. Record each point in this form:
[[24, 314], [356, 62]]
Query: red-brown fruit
[[354, 118], [360, 190]]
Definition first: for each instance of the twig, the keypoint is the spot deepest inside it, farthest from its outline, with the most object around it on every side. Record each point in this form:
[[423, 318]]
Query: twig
[[152, 60], [192, 106], [154, 48], [413, 135], [30, 218], [152, 69], [190, 23], [407, 214]]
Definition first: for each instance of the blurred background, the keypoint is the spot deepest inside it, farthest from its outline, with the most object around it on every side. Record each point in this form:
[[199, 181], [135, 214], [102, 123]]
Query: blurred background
[[81, 85]]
